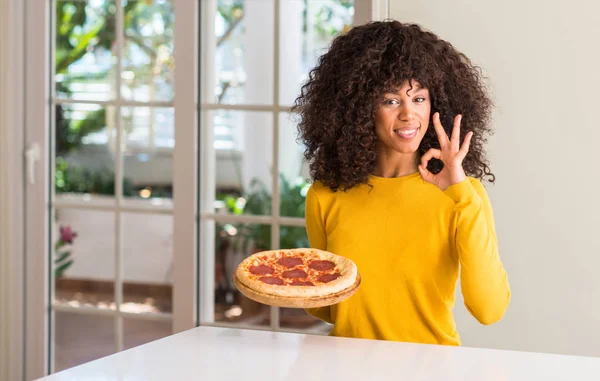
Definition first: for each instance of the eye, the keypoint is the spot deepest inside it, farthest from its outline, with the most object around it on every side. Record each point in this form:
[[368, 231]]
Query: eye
[[391, 102], [420, 99]]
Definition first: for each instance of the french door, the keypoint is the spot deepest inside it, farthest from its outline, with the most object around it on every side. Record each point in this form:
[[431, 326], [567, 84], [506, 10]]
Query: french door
[[160, 152]]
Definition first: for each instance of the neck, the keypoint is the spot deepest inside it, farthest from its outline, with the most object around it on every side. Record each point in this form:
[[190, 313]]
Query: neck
[[395, 164]]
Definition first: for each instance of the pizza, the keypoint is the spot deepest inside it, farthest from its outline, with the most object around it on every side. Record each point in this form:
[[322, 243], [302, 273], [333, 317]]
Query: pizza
[[301, 278]]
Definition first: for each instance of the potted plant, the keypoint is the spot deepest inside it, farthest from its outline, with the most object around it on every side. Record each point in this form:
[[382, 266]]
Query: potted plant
[[62, 250], [238, 241]]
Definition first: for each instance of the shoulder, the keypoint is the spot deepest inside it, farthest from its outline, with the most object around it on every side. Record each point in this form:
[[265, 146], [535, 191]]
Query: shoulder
[[477, 184], [474, 181], [469, 189], [319, 190], [318, 187], [479, 188], [322, 195]]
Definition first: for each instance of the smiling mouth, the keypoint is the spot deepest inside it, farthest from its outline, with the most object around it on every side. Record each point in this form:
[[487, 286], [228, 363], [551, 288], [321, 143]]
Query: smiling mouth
[[406, 134]]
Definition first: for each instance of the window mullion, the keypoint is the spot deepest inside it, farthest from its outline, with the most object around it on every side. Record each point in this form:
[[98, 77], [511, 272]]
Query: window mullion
[[114, 102], [120, 33], [185, 171], [275, 239]]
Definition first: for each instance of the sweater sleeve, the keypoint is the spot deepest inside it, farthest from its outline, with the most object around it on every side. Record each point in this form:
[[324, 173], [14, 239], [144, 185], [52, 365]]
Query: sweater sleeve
[[484, 282], [317, 236]]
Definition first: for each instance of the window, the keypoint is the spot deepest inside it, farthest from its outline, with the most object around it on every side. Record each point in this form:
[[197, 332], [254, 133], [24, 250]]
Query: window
[[113, 138], [252, 197]]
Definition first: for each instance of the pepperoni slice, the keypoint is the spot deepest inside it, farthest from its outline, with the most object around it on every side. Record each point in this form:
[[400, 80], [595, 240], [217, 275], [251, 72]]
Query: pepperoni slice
[[294, 274], [321, 265], [301, 283], [261, 270], [290, 261], [326, 278], [272, 280]]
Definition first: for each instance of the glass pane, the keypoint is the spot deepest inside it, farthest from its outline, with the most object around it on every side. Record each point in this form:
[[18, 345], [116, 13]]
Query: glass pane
[[291, 237], [84, 258], [310, 26], [148, 63], [244, 52], [294, 318], [85, 151], [241, 164], [139, 332], [82, 338], [84, 52], [293, 169], [149, 140], [233, 243], [299, 319], [147, 262]]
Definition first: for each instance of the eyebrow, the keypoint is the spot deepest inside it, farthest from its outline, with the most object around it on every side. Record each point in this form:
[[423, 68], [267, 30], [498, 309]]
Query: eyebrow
[[414, 89]]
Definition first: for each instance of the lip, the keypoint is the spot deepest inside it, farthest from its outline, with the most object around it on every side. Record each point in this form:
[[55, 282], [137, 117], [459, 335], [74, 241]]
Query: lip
[[405, 136], [406, 128]]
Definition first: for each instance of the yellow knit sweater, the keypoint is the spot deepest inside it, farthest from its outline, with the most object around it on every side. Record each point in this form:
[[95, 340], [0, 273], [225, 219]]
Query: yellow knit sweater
[[407, 238]]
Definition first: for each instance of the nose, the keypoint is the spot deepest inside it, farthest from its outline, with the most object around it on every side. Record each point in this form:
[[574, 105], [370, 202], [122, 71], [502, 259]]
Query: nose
[[406, 113]]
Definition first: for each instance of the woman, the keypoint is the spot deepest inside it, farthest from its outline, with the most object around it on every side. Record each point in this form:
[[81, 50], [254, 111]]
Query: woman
[[394, 122]]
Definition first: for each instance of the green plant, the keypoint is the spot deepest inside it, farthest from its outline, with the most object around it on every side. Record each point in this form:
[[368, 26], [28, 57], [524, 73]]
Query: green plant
[[257, 201], [69, 179], [325, 26], [84, 29]]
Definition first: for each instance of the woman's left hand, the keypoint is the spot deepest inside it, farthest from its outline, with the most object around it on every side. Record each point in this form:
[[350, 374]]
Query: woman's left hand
[[450, 153]]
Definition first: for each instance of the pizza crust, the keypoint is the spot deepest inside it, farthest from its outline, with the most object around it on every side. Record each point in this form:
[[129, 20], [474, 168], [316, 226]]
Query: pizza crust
[[346, 268], [299, 302]]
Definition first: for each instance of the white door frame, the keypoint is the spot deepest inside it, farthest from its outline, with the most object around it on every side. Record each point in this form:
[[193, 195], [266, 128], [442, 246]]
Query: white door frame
[[370, 10], [185, 168], [37, 61], [11, 190]]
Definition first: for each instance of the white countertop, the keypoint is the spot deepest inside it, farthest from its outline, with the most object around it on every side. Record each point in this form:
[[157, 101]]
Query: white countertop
[[206, 353]]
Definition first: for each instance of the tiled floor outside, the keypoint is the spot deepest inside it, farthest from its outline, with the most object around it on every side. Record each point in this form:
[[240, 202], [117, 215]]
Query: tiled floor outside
[[82, 338]]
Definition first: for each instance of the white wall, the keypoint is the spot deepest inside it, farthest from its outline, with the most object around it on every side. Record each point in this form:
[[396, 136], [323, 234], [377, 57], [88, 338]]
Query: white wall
[[543, 59]]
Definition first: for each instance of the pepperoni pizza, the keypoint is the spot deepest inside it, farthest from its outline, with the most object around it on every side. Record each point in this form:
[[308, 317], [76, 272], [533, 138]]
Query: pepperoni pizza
[[301, 278]]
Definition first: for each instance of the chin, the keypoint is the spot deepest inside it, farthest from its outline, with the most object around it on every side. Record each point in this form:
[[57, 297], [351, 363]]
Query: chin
[[407, 149]]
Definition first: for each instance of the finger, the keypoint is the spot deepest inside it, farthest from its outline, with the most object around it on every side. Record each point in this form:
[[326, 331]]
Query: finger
[[425, 174], [439, 130], [455, 139], [467, 143], [432, 153]]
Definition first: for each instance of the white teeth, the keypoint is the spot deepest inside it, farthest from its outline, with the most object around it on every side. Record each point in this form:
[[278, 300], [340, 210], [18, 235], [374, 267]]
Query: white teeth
[[406, 132]]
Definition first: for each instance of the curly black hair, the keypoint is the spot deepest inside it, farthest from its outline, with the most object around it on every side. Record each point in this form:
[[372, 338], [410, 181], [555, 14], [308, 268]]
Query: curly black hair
[[337, 104]]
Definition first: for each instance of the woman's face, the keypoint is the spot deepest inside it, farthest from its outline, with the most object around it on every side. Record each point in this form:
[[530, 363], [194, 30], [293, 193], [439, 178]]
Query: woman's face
[[402, 118]]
